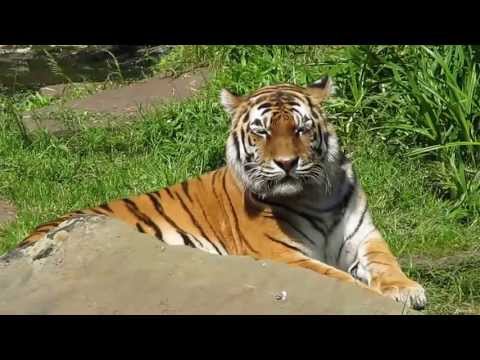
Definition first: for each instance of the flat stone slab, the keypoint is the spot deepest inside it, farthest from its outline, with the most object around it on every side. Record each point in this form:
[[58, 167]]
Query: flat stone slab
[[7, 212], [123, 101], [61, 90], [103, 266]]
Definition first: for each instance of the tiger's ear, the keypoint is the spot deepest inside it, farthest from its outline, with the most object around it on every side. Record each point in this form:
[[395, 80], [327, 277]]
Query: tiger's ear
[[320, 90], [230, 101]]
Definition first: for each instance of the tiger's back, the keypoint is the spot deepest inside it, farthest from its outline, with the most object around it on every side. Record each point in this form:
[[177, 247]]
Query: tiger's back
[[210, 213]]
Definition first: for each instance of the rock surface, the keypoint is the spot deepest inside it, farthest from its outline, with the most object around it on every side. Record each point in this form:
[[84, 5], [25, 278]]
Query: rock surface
[[102, 266], [62, 90], [123, 101]]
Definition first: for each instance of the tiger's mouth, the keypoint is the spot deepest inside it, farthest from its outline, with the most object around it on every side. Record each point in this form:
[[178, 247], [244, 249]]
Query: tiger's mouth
[[294, 182], [267, 182]]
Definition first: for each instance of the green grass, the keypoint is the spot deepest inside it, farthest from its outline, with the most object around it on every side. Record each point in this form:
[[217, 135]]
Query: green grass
[[46, 176], [426, 101]]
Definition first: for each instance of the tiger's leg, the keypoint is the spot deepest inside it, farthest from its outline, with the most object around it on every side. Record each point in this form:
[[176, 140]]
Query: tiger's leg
[[380, 269], [324, 269]]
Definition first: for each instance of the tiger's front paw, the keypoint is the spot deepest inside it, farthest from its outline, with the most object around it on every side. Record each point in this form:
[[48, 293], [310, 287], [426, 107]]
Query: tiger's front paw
[[405, 291]]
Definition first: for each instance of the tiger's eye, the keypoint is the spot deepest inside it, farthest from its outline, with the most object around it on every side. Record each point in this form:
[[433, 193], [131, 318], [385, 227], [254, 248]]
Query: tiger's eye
[[257, 122], [305, 128]]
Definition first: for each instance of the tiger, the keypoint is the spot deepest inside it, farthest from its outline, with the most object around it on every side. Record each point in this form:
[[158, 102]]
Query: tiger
[[287, 193]]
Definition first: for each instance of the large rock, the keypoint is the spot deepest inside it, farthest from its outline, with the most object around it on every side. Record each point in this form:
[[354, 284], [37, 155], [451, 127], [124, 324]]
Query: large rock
[[102, 266]]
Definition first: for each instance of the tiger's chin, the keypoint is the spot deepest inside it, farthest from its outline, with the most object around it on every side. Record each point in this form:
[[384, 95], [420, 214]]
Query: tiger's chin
[[287, 187]]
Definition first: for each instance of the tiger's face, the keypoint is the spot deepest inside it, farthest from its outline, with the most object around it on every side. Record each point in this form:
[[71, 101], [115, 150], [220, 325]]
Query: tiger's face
[[278, 142]]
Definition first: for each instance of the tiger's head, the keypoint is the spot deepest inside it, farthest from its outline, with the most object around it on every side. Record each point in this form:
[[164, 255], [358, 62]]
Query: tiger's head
[[280, 142]]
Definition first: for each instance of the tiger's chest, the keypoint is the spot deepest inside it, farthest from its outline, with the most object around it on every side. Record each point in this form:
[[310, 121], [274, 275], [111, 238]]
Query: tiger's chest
[[313, 235]]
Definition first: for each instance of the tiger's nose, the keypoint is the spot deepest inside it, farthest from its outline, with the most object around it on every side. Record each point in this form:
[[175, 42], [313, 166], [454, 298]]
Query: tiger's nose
[[287, 164]]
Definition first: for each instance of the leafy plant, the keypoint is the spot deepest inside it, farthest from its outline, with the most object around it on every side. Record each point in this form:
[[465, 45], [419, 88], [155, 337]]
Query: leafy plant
[[427, 101]]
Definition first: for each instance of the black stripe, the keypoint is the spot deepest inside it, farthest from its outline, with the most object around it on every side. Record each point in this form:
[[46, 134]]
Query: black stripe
[[220, 202], [260, 98], [319, 134], [273, 89], [288, 98], [192, 217], [54, 222], [237, 146], [242, 138], [235, 218], [215, 173], [377, 262], [301, 214], [316, 114], [265, 111], [264, 105], [186, 240], [277, 217], [292, 103], [42, 231], [140, 228], [210, 225], [340, 252], [327, 139], [106, 207], [353, 233], [213, 188], [167, 190], [240, 117], [143, 217], [98, 211], [359, 224], [57, 221], [185, 185], [49, 225], [367, 254], [215, 246], [297, 111], [194, 238], [196, 224], [285, 244], [245, 116], [158, 206]]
